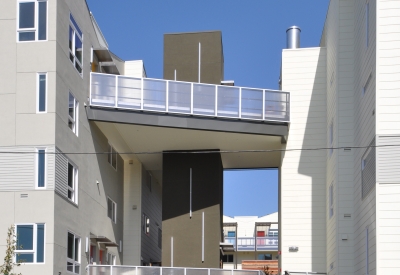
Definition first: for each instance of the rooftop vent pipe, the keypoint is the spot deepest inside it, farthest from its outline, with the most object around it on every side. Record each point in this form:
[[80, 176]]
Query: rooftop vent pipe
[[293, 37]]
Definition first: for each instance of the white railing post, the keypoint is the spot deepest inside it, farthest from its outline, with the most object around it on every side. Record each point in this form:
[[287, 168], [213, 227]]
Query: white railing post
[[191, 98], [90, 89], [116, 91], [240, 102], [160, 270], [167, 96], [216, 100], [263, 105], [184, 272], [208, 271], [136, 271], [141, 96], [111, 270]]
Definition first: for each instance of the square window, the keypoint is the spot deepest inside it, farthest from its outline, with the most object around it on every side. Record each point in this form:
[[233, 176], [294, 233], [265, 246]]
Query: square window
[[73, 113], [72, 183], [75, 44], [30, 243], [73, 253], [112, 210], [32, 20]]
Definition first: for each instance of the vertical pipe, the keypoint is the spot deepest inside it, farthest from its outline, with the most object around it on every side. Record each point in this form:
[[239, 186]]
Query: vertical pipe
[[175, 75], [190, 193], [255, 241], [191, 98], [240, 102], [202, 239], [236, 245], [216, 100], [263, 104], [199, 61], [172, 252], [116, 91], [166, 96]]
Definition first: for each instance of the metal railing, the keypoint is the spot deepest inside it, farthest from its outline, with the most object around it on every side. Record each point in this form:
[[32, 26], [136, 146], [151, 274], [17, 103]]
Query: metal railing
[[154, 270], [249, 243], [167, 96]]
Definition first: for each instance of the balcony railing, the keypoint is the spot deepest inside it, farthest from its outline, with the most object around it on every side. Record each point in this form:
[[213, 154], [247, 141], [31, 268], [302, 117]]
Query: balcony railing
[[142, 270], [166, 96], [249, 243]]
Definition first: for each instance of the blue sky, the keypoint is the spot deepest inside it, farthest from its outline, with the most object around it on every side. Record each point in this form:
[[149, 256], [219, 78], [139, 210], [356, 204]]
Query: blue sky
[[253, 34]]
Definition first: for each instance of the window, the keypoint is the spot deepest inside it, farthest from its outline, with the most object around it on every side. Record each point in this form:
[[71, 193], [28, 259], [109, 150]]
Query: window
[[273, 233], [265, 256], [331, 138], [92, 254], [146, 224], [30, 243], [75, 44], [73, 113], [228, 258], [72, 183], [231, 234], [73, 253], [41, 168], [367, 24], [32, 20], [110, 259], [41, 98], [365, 88], [159, 237], [331, 200], [112, 210], [112, 156]]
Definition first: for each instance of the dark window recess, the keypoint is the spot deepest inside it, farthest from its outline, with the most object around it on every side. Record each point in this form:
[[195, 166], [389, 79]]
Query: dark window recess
[[228, 258]]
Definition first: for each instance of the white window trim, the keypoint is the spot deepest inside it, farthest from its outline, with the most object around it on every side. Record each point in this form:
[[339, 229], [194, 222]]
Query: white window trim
[[114, 219], [112, 154], [34, 250], [38, 92], [37, 168], [75, 119], [75, 189], [72, 261], [71, 24], [35, 29]]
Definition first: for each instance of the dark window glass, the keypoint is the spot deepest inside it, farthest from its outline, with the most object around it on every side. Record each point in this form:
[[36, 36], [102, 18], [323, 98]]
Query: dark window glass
[[27, 15], [71, 107], [110, 208], [26, 36], [71, 35], [42, 35], [41, 167], [24, 237], [76, 254], [265, 256], [70, 248], [70, 175], [227, 258], [70, 267], [24, 258], [42, 93], [78, 67], [40, 244], [231, 234], [78, 48]]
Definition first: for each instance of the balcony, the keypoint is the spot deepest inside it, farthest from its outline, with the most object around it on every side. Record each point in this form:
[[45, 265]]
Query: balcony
[[250, 243], [191, 99]]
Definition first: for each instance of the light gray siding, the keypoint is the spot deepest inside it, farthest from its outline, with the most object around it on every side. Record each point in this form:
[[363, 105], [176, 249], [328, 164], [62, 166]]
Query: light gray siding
[[368, 173], [61, 174], [388, 159]]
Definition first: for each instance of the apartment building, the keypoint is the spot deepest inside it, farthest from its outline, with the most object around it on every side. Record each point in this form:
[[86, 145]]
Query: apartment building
[[78, 126], [254, 241]]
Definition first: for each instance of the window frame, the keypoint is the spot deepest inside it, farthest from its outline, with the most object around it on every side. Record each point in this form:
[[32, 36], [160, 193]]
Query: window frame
[[112, 155], [34, 243], [74, 120], [331, 201], [37, 168], [114, 210], [73, 261], [74, 189], [38, 111], [113, 258], [76, 30], [36, 21], [146, 225]]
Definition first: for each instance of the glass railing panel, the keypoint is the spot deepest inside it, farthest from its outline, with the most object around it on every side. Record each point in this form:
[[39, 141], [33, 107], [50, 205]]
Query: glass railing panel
[[193, 271], [252, 103], [203, 99], [276, 106], [228, 101], [173, 271], [129, 92], [122, 270], [179, 97], [220, 272], [154, 94], [99, 270], [103, 90]]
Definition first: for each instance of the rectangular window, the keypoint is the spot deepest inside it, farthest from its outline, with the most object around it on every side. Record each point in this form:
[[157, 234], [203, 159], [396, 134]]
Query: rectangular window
[[367, 25], [110, 259], [41, 168], [75, 44], [365, 88], [331, 200], [231, 234], [264, 257], [73, 113], [72, 183], [112, 210], [112, 156], [146, 224], [228, 258], [73, 253], [41, 98], [32, 20], [30, 243]]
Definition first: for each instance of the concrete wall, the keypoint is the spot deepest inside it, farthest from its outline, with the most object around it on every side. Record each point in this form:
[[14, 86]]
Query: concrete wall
[[207, 198], [302, 206]]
